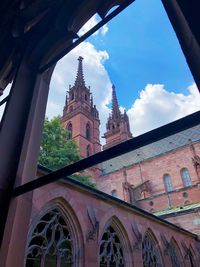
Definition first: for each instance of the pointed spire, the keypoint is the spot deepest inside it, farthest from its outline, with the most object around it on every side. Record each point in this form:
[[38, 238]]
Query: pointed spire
[[79, 77], [66, 100], [116, 114], [91, 101]]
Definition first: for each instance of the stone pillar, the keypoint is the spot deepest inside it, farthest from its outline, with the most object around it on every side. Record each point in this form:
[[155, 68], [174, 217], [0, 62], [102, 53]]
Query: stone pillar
[[91, 254], [187, 39], [20, 137]]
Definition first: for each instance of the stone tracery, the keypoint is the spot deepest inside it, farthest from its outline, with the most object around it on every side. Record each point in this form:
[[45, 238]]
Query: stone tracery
[[150, 251], [51, 243], [175, 255], [111, 252]]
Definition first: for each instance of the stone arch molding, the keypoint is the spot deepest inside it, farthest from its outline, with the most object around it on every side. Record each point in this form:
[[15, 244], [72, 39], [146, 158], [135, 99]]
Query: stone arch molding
[[61, 209], [115, 229], [175, 254], [151, 252], [192, 257]]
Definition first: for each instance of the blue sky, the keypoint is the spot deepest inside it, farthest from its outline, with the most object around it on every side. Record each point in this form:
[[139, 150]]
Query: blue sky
[[138, 52], [143, 48]]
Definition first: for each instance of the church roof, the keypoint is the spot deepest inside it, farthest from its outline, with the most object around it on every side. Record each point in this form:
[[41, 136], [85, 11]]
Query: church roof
[[152, 150], [180, 209]]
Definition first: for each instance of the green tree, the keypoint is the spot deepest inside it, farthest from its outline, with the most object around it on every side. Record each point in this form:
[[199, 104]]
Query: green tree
[[56, 151]]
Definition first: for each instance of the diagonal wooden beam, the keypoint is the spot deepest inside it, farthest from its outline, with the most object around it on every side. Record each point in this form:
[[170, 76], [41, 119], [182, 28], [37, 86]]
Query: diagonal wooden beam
[[86, 35], [130, 145]]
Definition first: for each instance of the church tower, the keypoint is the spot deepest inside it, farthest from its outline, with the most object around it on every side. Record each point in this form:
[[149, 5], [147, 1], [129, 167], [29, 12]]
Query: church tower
[[117, 127], [80, 117]]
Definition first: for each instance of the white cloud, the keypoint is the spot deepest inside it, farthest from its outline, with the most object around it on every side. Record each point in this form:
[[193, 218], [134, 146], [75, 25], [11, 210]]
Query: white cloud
[[104, 29], [95, 75], [53, 109], [156, 106], [90, 24]]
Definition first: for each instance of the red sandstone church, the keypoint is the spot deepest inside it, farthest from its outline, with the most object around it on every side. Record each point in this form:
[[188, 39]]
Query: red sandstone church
[[162, 178], [74, 225], [55, 221]]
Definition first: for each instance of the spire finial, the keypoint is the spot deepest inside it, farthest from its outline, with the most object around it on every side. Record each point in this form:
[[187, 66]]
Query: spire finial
[[79, 77], [91, 100], [115, 107]]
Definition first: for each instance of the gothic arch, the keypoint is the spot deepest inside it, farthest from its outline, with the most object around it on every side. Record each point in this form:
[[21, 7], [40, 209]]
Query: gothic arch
[[175, 254], [55, 209], [192, 257], [151, 253], [113, 232]]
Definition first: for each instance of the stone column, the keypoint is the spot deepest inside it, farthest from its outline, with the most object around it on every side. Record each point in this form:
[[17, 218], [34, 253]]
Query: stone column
[[20, 137], [91, 254]]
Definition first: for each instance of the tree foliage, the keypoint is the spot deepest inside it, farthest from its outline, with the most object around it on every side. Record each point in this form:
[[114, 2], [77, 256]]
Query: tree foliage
[[56, 151]]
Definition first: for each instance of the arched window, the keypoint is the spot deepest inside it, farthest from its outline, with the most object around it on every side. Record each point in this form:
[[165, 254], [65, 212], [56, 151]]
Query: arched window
[[50, 243], [88, 131], [114, 193], [186, 177], [150, 251], [175, 254], [72, 96], [168, 183], [69, 131], [88, 152], [111, 253]]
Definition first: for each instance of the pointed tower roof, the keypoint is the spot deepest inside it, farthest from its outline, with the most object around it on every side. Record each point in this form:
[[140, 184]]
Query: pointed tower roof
[[116, 114], [79, 77]]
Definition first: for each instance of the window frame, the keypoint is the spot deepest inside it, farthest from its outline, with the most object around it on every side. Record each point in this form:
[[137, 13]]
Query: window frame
[[168, 183], [186, 178]]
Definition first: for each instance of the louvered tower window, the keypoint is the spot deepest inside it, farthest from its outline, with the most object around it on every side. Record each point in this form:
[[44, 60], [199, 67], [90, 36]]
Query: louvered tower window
[[88, 151], [69, 131], [88, 131]]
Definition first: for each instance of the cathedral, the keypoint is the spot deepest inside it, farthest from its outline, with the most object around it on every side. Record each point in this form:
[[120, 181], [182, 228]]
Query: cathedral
[[162, 178], [145, 212], [66, 223]]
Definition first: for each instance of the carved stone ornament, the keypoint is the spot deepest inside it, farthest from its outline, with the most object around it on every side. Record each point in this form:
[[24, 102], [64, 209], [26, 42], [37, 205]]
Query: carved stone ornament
[[196, 161], [93, 232], [138, 237]]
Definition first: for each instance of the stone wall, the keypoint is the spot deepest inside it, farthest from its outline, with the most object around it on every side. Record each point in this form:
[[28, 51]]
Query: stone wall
[[90, 212]]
